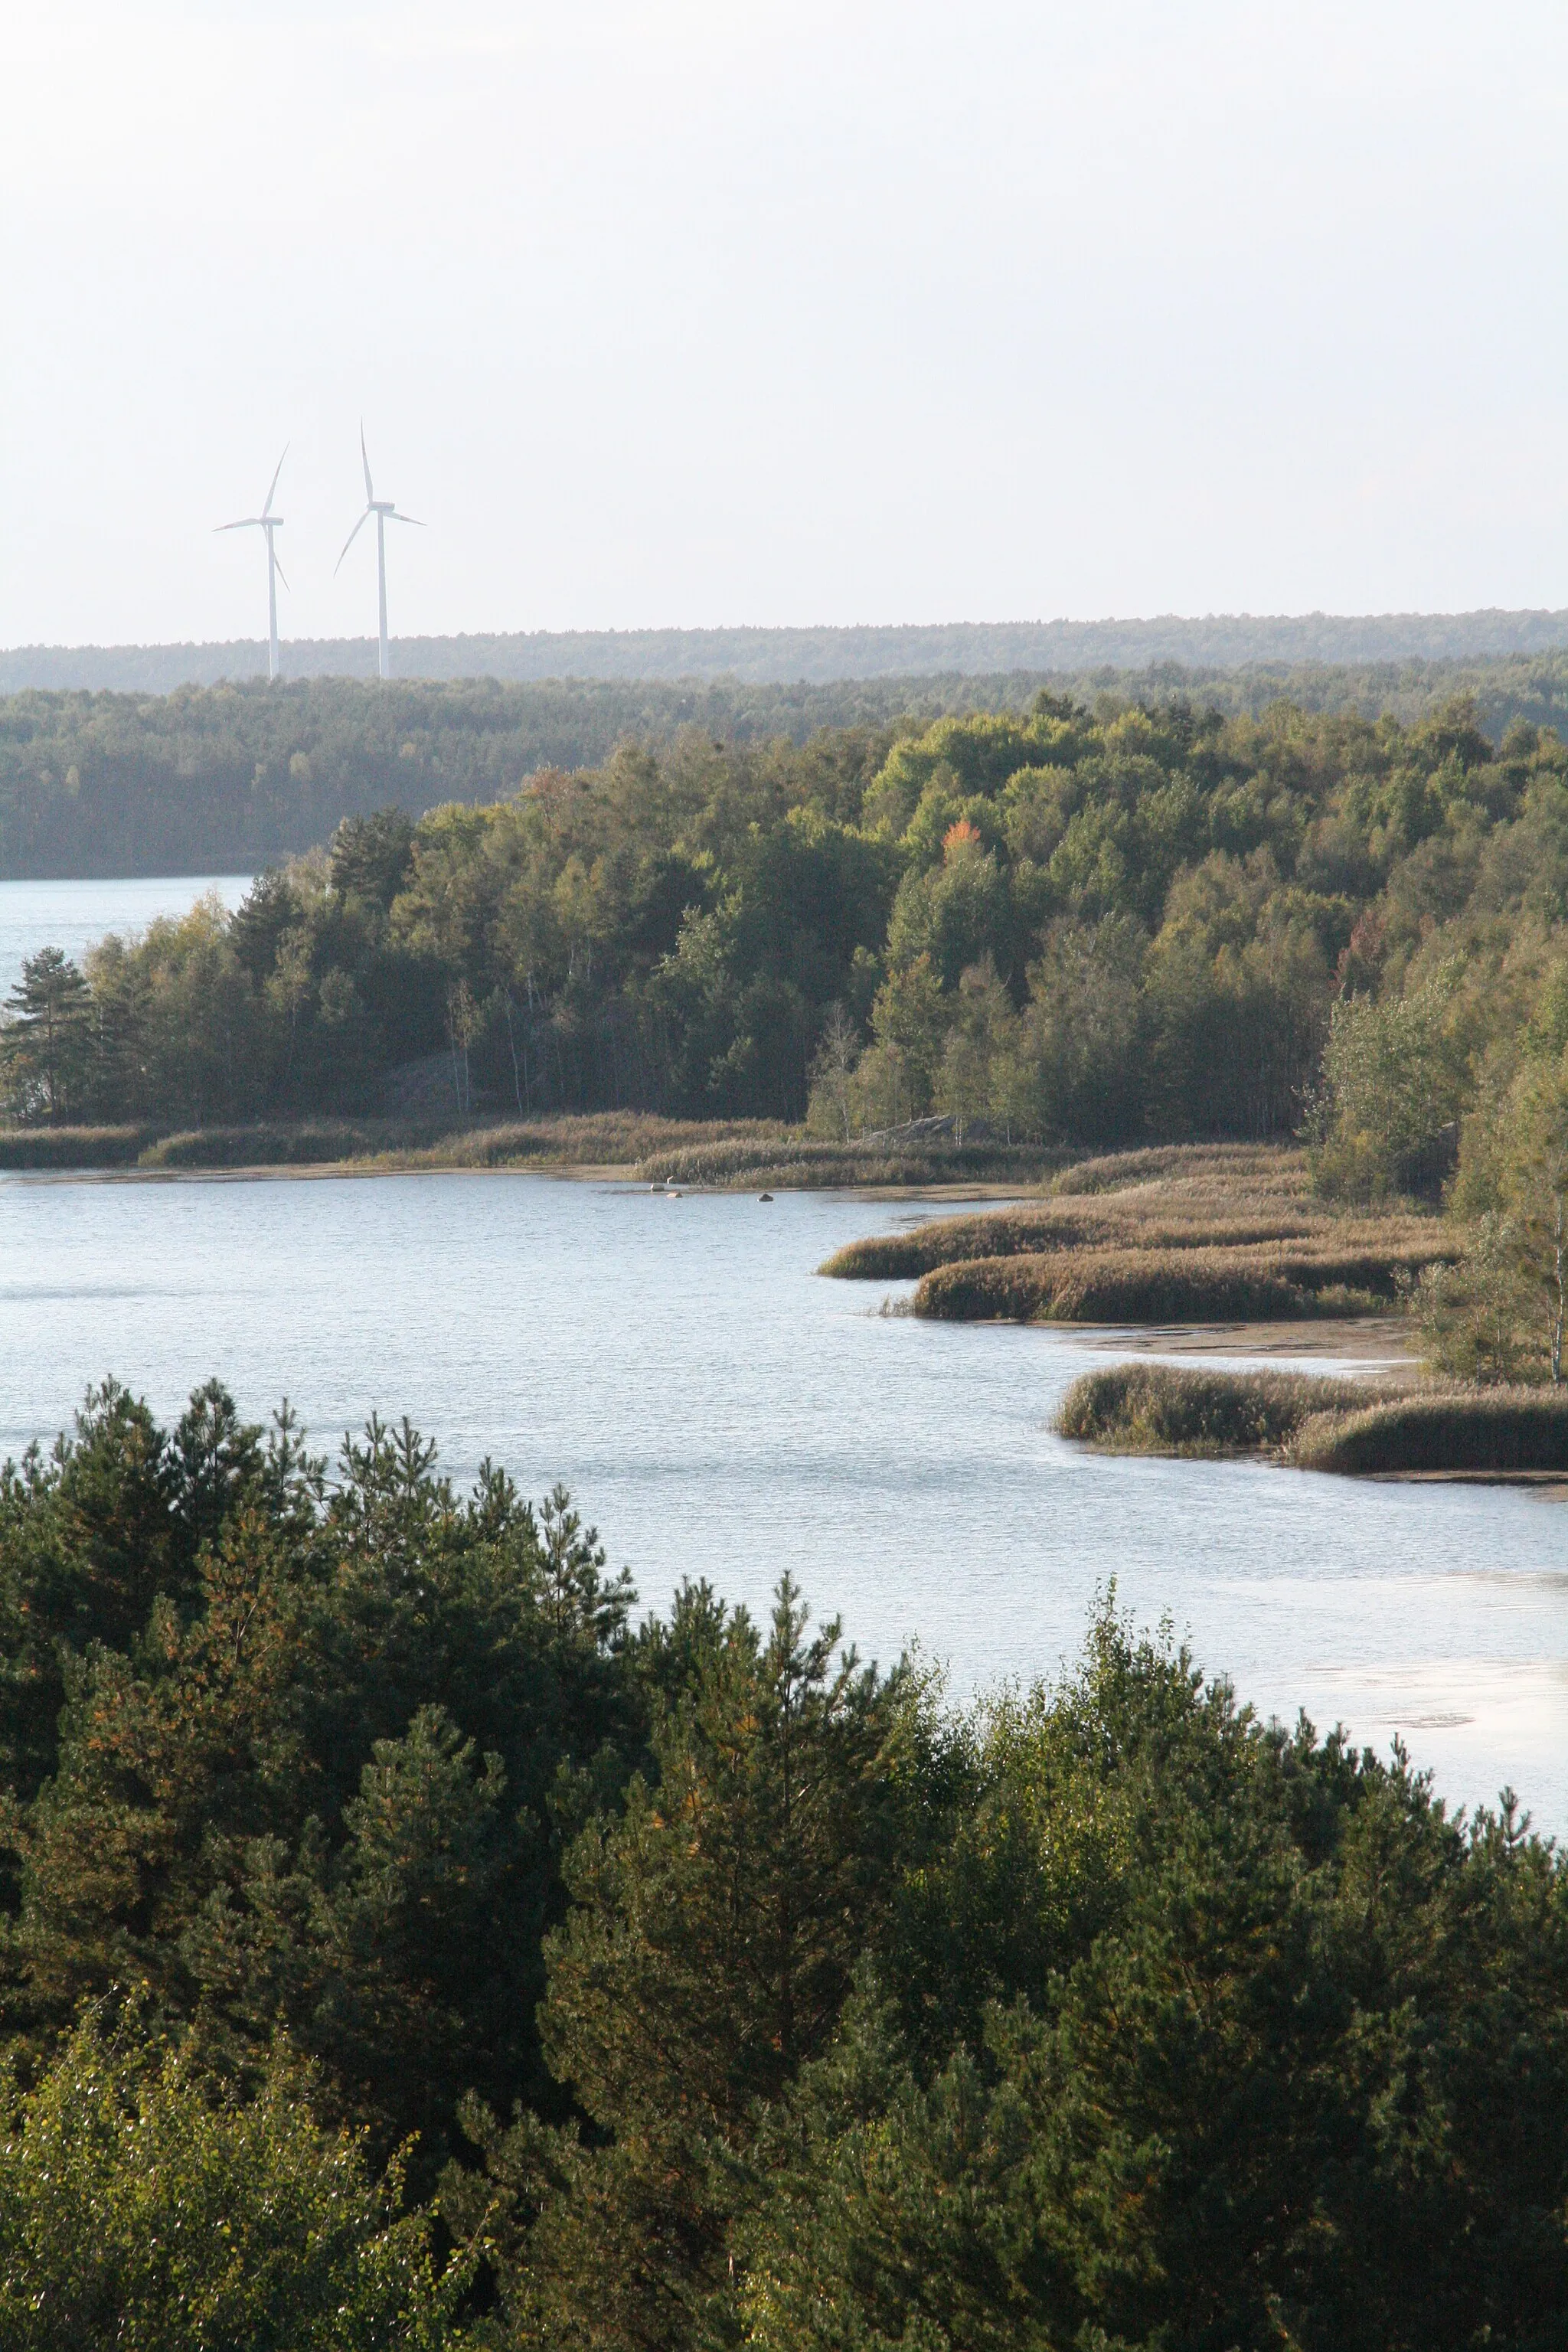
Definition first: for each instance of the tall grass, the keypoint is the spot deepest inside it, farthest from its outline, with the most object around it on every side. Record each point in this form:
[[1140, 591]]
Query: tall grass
[[1274, 1283], [1160, 1408], [1076, 1223], [1317, 1423], [598, 1139], [1495, 1430], [71, 1147], [1223, 1169], [792, 1158]]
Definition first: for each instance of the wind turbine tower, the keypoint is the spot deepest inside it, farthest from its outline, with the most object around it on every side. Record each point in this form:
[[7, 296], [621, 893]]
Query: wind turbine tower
[[385, 512], [269, 522]]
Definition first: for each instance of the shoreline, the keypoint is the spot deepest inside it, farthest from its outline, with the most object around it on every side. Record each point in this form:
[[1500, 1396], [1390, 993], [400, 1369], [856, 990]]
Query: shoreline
[[1370, 1342], [615, 1172]]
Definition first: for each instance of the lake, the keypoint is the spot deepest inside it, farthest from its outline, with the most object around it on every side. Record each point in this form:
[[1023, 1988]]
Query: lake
[[72, 915], [719, 1411]]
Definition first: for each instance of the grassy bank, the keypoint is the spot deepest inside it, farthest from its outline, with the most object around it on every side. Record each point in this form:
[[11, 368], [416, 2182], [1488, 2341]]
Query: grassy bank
[[24, 1147], [1154, 1409], [1266, 1283], [1497, 1429], [1197, 1233], [724, 1155], [1316, 1424]]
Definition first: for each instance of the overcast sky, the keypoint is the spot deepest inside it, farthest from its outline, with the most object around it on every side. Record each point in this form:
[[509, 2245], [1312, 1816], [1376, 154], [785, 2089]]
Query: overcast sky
[[778, 311]]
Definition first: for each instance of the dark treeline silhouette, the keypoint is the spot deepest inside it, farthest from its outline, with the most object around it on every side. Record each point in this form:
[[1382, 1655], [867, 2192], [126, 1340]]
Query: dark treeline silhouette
[[701, 1984], [1097, 924]]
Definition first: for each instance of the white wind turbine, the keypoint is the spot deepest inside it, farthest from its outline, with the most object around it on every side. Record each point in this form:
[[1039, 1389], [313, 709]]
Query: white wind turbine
[[269, 522], [384, 512]]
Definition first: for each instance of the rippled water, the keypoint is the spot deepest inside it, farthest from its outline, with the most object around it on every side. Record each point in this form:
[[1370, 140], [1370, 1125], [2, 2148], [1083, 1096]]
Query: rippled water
[[72, 915], [721, 1413]]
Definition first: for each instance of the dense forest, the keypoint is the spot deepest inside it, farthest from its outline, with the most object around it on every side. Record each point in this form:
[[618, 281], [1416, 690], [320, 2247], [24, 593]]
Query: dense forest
[[403, 1944], [780, 656], [228, 779], [1097, 924]]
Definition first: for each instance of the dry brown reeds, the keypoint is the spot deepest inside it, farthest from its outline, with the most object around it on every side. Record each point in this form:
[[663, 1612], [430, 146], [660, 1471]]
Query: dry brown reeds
[[1163, 1409], [1180, 1233], [71, 1147], [1478, 1429], [1271, 1283], [795, 1161], [1314, 1423], [1114, 1223]]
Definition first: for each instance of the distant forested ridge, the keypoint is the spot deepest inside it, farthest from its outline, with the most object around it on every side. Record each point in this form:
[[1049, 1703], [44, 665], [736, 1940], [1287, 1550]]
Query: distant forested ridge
[[818, 655], [231, 778], [1086, 924]]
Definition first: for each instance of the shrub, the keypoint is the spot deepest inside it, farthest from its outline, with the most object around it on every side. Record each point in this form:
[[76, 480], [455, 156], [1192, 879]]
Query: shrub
[[137, 2212]]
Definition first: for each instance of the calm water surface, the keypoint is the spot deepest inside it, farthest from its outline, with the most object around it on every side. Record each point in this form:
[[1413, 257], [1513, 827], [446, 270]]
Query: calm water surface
[[720, 1412], [72, 915]]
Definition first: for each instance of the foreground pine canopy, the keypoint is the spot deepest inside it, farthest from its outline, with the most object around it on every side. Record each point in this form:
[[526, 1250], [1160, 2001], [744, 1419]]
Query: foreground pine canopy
[[403, 1946]]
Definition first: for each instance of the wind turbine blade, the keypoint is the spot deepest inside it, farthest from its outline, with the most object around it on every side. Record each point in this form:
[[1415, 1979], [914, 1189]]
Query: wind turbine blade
[[246, 522], [396, 517], [364, 461], [267, 509], [280, 570], [350, 541]]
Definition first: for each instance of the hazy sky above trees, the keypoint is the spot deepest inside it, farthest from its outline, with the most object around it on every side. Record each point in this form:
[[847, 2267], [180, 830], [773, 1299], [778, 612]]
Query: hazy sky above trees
[[789, 311]]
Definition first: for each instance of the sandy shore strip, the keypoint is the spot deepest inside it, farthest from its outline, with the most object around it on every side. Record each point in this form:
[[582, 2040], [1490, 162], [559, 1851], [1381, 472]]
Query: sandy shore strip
[[1368, 1342]]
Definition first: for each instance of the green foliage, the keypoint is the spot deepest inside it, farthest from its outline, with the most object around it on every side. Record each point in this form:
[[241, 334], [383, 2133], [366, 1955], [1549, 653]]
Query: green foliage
[[142, 2211], [285, 1751], [732, 1992], [1194, 2039], [1392, 1079], [1066, 923], [715, 1930]]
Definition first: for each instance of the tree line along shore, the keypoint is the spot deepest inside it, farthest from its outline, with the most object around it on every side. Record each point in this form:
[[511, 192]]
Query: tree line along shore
[[968, 950], [405, 1945], [1085, 926]]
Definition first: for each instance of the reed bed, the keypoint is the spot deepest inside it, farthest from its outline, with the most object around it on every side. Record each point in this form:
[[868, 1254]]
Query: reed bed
[[601, 1139], [1218, 1171], [622, 1138], [304, 1143], [1274, 1283], [1075, 1224], [1160, 1408], [72, 1147], [796, 1161], [1487, 1430], [1312, 1423]]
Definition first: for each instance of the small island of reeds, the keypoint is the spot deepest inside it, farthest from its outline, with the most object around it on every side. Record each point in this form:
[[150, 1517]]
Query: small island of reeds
[[1355, 1427]]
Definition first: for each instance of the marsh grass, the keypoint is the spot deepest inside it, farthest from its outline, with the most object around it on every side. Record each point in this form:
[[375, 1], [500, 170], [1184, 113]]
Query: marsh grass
[[1272, 1282], [795, 1161], [1354, 1427], [1075, 1224], [72, 1147], [1496, 1429], [1160, 1409], [601, 1139]]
